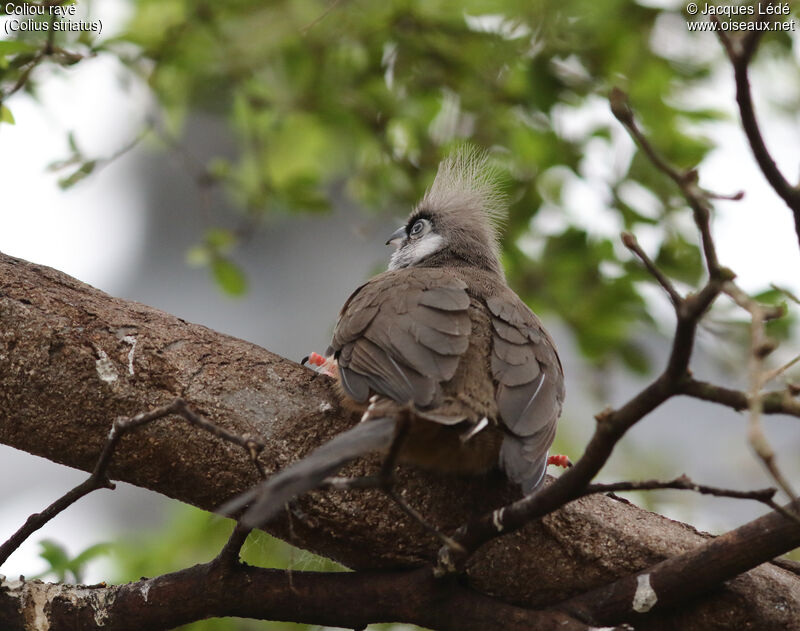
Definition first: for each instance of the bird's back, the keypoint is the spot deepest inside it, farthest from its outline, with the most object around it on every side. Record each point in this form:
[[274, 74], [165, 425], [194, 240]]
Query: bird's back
[[454, 345]]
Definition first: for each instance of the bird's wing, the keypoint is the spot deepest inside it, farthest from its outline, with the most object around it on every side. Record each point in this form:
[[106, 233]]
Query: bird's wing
[[402, 334], [530, 387]]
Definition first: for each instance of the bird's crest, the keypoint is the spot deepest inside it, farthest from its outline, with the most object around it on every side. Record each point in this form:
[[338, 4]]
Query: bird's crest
[[466, 190]]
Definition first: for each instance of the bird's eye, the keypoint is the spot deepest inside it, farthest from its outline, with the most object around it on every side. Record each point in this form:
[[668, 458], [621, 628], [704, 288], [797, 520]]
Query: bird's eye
[[419, 228]]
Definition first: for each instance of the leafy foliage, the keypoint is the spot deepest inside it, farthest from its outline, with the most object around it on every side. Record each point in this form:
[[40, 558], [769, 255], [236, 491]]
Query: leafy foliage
[[214, 252], [373, 95], [368, 97]]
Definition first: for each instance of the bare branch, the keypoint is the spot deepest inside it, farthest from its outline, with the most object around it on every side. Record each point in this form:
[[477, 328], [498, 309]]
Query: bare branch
[[777, 372], [760, 347], [765, 496], [772, 402], [740, 52], [684, 483], [696, 197], [99, 479], [349, 599], [630, 242], [669, 582], [229, 554], [53, 400]]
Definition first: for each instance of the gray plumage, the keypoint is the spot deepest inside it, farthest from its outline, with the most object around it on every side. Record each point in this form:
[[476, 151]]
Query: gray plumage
[[442, 334]]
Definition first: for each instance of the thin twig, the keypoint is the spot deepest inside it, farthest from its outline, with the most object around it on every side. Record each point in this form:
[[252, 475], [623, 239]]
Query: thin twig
[[99, 478], [387, 486], [760, 347], [229, 554], [683, 483], [254, 445], [772, 401], [630, 242], [740, 51], [47, 50], [418, 517], [777, 372], [96, 480], [786, 292], [696, 197], [319, 18]]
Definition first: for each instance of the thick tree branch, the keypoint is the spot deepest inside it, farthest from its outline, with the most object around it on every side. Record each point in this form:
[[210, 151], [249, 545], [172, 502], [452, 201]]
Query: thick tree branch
[[339, 599], [58, 393], [703, 568]]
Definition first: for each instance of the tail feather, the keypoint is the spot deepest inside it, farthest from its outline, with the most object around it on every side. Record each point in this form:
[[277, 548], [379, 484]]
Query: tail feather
[[307, 474]]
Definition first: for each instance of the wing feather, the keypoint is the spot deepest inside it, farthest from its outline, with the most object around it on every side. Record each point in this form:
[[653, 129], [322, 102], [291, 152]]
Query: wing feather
[[402, 335], [530, 387]]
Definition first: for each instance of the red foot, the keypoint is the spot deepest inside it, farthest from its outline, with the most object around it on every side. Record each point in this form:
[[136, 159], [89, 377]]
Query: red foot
[[315, 359], [559, 460], [325, 365]]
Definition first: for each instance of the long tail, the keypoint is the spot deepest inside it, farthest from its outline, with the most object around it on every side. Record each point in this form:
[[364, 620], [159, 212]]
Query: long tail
[[269, 497]]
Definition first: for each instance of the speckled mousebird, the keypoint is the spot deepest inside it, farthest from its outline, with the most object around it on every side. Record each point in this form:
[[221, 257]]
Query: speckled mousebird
[[442, 341]]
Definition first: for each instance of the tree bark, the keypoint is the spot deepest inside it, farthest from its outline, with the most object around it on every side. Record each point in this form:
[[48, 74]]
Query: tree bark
[[73, 358]]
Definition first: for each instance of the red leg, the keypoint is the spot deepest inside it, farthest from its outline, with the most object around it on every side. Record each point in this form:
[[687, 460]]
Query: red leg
[[325, 365], [559, 460]]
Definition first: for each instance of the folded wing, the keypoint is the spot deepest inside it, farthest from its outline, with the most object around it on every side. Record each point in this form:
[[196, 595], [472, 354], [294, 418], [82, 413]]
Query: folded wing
[[530, 387], [401, 335]]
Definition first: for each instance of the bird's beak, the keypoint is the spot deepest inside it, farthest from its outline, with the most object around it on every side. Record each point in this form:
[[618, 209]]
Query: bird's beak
[[397, 236]]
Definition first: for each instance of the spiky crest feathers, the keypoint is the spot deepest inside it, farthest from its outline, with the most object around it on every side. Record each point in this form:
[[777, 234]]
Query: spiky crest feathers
[[465, 194]]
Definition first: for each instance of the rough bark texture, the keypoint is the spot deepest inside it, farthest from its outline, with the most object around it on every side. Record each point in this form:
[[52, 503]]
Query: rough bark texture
[[72, 359], [352, 600]]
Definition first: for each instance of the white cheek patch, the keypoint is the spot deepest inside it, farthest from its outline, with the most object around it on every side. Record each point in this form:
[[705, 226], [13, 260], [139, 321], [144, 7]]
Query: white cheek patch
[[415, 251]]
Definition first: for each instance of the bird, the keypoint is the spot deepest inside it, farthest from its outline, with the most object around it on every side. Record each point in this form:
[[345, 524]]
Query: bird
[[440, 347]]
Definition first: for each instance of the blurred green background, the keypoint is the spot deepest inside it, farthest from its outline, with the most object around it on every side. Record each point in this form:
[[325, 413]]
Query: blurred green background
[[351, 104]]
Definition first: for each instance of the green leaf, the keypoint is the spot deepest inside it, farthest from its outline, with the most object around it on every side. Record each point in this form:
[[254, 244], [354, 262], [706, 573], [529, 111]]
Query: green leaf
[[71, 180], [91, 553], [14, 46], [60, 563], [56, 557], [229, 277], [73, 145], [5, 115], [220, 240]]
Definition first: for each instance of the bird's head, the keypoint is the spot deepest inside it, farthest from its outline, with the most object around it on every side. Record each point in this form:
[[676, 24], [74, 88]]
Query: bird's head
[[457, 221]]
